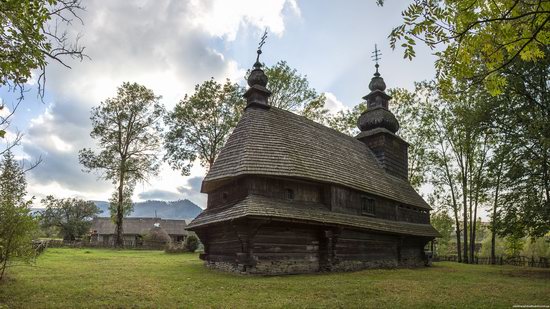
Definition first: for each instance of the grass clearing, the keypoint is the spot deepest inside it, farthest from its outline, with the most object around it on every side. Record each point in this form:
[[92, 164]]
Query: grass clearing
[[99, 278]]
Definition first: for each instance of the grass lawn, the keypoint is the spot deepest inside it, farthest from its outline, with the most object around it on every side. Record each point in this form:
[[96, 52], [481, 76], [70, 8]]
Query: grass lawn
[[71, 278]]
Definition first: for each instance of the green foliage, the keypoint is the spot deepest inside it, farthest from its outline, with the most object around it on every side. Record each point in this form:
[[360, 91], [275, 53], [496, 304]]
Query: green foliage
[[291, 91], [72, 216], [520, 119], [33, 33], [537, 247], [200, 124], [127, 204], [514, 245], [486, 246], [191, 243], [408, 108], [346, 121], [444, 224], [476, 39], [128, 129], [17, 226]]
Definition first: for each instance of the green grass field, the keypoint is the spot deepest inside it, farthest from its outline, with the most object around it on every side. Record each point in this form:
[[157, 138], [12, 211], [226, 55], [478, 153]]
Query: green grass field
[[73, 278]]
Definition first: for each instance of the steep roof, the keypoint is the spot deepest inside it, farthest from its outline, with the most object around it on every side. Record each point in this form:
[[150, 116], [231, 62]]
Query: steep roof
[[276, 142], [139, 226], [262, 207]]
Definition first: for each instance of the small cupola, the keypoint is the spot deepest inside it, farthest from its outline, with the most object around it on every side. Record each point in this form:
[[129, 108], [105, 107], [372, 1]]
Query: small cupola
[[377, 114], [258, 94], [379, 126]]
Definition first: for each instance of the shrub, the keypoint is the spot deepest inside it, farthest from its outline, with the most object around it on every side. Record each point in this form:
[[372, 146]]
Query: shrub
[[175, 248], [191, 243]]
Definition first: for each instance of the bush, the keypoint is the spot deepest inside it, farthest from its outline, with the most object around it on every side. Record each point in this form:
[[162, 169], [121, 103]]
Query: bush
[[191, 243], [175, 248]]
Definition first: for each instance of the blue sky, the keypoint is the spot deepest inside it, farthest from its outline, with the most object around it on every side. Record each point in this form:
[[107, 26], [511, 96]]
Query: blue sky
[[169, 46]]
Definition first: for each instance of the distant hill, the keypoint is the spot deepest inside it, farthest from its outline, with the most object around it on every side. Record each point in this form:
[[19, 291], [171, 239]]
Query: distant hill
[[182, 209]]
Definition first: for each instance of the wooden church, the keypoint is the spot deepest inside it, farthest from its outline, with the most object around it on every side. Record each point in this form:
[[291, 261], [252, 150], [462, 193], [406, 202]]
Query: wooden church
[[288, 195]]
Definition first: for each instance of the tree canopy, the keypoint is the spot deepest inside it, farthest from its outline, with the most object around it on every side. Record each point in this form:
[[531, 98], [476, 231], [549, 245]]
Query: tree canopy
[[476, 40], [200, 124], [128, 129], [32, 34], [17, 225], [291, 91], [71, 215]]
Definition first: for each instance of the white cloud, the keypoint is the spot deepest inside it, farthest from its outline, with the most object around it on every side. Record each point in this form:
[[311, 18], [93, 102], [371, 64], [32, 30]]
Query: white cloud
[[333, 104], [166, 45], [60, 145], [223, 18]]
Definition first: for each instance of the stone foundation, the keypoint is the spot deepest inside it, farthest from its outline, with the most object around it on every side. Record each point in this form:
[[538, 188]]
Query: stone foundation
[[289, 267]]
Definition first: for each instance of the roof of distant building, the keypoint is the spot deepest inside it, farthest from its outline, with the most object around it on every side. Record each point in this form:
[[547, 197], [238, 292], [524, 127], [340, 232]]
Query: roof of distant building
[[139, 226]]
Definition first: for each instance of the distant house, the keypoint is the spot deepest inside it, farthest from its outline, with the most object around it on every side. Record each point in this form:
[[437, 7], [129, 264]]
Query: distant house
[[134, 229]]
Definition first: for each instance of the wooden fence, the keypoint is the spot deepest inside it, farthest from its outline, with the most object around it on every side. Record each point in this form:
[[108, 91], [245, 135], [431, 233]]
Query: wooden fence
[[541, 262]]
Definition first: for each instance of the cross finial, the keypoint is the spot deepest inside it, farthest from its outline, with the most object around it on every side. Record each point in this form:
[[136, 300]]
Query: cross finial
[[376, 56], [259, 51]]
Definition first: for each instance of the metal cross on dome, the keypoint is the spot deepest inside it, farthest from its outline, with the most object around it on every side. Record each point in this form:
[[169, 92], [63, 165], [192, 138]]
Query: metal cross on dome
[[377, 55], [262, 42]]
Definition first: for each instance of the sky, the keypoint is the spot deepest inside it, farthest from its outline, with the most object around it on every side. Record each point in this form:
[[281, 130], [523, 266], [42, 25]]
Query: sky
[[171, 45]]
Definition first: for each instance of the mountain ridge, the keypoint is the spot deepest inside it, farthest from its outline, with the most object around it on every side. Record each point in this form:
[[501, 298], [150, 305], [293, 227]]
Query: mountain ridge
[[180, 209]]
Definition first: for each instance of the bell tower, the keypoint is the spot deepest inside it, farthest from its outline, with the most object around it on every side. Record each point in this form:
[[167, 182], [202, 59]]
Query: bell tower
[[379, 126], [257, 95]]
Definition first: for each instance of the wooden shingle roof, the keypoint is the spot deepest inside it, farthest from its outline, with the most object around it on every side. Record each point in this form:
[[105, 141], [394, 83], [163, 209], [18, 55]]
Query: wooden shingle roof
[[139, 226], [275, 142], [263, 207]]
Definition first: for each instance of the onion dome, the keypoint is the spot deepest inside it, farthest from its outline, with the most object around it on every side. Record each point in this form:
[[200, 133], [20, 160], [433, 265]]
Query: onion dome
[[257, 76], [377, 114], [257, 94], [378, 117], [377, 82]]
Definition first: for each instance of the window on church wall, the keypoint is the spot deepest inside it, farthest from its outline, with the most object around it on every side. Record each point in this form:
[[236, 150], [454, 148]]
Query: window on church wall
[[289, 194], [368, 206]]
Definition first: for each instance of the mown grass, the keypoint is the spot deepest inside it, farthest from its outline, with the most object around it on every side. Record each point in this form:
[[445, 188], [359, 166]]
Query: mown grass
[[93, 278]]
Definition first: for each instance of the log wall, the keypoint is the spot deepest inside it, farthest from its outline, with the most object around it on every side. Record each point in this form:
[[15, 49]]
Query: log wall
[[329, 197], [277, 247]]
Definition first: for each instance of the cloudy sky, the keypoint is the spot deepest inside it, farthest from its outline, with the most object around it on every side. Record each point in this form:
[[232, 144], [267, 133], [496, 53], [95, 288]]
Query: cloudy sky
[[169, 46]]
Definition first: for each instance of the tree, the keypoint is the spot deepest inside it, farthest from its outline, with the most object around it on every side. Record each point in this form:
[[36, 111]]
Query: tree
[[477, 40], [346, 121], [514, 245], [72, 216], [33, 33], [128, 130], [200, 124], [520, 118], [191, 243], [127, 203], [459, 155], [291, 91], [443, 223], [17, 226]]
